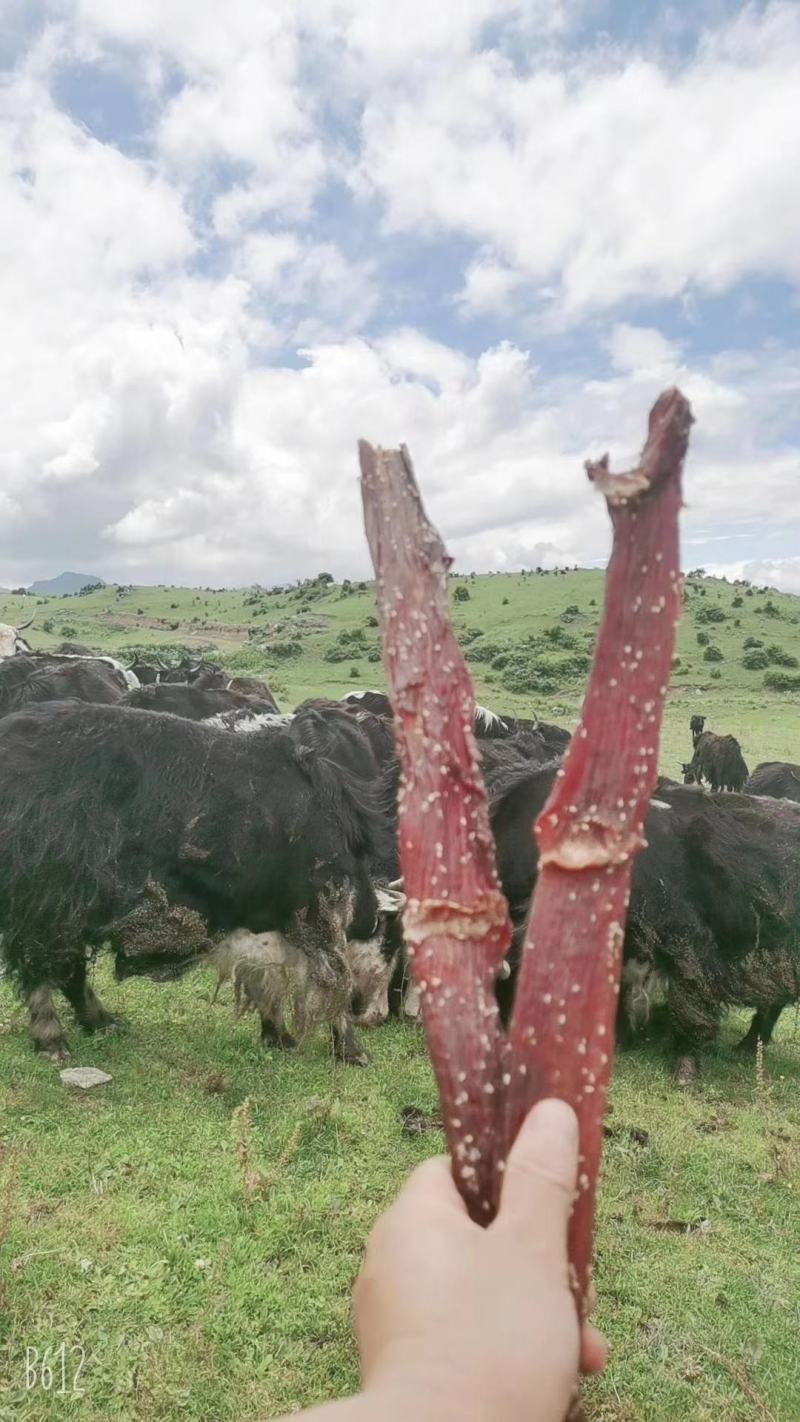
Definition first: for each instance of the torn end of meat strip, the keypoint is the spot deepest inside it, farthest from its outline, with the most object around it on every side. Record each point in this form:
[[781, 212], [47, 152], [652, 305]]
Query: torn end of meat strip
[[562, 1029], [456, 923]]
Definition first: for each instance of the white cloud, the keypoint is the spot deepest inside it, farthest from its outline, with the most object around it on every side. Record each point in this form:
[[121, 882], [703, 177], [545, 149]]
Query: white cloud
[[605, 178], [144, 292], [314, 276], [488, 288], [781, 573], [635, 348]]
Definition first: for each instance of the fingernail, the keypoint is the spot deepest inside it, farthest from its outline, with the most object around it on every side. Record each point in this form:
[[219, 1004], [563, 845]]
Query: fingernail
[[556, 1118]]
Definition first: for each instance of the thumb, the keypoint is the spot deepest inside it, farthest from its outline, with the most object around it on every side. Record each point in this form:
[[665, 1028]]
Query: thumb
[[539, 1180]]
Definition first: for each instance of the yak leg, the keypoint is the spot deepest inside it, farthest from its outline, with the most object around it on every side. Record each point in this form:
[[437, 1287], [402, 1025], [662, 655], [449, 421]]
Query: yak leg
[[695, 1024], [412, 1003], [46, 1030], [84, 1002], [274, 1034], [761, 1028], [346, 1046]]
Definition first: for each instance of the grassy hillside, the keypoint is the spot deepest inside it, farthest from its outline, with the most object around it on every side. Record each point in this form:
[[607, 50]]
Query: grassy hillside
[[528, 639]]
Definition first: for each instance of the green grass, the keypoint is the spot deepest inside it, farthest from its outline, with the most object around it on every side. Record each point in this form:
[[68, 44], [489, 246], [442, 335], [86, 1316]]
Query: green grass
[[125, 1225], [126, 1228], [505, 609]]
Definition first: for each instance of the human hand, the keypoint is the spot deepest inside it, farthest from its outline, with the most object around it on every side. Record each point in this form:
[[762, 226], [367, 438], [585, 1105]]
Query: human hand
[[476, 1323]]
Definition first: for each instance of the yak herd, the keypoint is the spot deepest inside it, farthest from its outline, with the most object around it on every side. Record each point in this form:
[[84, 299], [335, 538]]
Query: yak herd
[[177, 817]]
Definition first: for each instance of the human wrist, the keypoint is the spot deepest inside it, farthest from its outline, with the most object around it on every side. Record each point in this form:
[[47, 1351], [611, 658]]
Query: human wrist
[[435, 1394]]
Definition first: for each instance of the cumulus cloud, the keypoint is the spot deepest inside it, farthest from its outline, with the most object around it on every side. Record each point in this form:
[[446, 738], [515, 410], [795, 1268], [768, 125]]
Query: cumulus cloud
[[605, 177], [315, 278], [201, 317], [781, 573]]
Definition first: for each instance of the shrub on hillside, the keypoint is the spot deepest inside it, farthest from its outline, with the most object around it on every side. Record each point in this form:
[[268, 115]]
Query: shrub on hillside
[[781, 658], [461, 593], [703, 639], [522, 679], [469, 634], [372, 620], [352, 637], [752, 642], [782, 681], [282, 650], [755, 660], [485, 651], [738, 601], [504, 602], [559, 638], [374, 654], [713, 654], [715, 674], [48, 624], [710, 614], [354, 672], [68, 631]]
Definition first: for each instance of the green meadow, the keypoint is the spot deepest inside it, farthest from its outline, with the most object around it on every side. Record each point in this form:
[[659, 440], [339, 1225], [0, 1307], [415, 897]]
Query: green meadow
[[131, 1233]]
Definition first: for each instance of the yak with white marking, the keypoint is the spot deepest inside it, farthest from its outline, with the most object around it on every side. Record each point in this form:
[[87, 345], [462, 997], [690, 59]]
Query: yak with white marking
[[11, 642], [159, 837], [27, 680], [487, 725]]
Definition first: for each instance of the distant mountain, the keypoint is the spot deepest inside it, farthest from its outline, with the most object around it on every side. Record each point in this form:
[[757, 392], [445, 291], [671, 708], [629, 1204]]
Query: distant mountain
[[64, 584]]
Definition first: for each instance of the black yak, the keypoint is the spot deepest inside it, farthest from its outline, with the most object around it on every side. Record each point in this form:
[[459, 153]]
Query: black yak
[[714, 917], [195, 703], [160, 836], [717, 760], [29, 679], [777, 778]]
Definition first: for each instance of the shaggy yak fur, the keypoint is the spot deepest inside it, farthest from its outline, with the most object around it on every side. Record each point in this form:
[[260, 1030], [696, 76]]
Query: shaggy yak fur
[[487, 725], [194, 703], [718, 760], [715, 905], [776, 778], [252, 686], [111, 816], [29, 680]]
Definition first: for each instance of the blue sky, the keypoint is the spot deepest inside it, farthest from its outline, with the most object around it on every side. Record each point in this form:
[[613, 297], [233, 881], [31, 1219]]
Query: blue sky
[[236, 240]]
